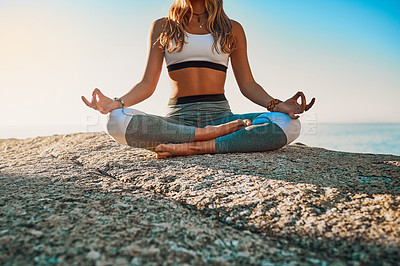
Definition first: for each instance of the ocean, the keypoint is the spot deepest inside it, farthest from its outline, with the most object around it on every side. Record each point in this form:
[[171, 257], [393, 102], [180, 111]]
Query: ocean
[[358, 138]]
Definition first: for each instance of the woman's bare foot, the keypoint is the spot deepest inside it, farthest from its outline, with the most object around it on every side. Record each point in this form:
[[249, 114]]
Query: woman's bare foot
[[213, 132], [191, 148]]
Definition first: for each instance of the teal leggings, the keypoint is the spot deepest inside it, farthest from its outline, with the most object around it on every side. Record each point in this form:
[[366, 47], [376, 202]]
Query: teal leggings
[[269, 131]]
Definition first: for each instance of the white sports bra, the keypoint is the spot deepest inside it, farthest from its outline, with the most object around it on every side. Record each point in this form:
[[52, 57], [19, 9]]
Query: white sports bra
[[197, 52]]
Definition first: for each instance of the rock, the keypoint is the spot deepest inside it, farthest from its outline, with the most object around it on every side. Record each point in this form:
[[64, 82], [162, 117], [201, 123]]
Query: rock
[[93, 255], [36, 233], [84, 197], [5, 240]]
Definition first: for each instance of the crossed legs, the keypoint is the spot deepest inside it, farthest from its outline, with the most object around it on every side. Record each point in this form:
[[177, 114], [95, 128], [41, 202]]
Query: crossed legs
[[204, 140], [268, 131], [235, 133]]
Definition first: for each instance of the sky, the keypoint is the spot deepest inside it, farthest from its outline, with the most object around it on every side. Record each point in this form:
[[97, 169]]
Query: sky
[[344, 53]]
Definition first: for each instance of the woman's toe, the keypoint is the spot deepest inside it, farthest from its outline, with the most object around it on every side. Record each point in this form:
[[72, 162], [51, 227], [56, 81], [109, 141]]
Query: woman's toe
[[161, 155], [160, 148], [162, 151]]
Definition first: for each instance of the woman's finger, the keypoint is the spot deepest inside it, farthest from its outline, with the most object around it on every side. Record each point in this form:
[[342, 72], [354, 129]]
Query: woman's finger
[[299, 107], [89, 104], [296, 96], [308, 107], [99, 94], [303, 102], [99, 98], [94, 101], [293, 116]]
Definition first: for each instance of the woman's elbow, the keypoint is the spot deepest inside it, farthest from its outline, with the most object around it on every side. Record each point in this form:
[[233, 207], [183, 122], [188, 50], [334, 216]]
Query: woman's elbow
[[247, 87], [148, 88]]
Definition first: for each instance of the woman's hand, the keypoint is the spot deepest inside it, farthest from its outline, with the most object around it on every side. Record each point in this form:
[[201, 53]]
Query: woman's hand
[[291, 107], [101, 102]]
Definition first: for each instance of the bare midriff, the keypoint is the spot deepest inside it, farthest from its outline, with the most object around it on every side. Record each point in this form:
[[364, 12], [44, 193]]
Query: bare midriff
[[196, 81]]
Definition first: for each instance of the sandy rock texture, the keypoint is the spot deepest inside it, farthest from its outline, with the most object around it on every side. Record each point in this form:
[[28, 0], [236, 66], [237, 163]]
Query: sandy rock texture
[[85, 199]]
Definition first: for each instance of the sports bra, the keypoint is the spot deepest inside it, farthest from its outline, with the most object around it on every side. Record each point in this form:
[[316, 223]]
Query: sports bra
[[197, 52]]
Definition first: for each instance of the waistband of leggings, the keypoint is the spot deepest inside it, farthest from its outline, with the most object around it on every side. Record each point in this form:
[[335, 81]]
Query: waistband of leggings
[[197, 98]]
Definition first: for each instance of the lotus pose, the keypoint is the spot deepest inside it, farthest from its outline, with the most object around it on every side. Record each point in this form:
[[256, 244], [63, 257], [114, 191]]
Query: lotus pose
[[197, 40]]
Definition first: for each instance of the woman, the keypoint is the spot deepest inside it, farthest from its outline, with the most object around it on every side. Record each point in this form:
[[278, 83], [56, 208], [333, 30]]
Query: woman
[[197, 40]]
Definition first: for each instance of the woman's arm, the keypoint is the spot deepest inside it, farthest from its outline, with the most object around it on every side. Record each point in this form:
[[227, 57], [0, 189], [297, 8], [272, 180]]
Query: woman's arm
[[250, 88], [146, 87]]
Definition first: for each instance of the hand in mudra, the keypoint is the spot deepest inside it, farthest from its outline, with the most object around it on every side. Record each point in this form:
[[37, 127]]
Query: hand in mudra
[[99, 102], [291, 106]]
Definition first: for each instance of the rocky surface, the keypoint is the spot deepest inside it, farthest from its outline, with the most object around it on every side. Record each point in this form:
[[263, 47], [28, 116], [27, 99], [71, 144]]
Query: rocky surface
[[84, 199]]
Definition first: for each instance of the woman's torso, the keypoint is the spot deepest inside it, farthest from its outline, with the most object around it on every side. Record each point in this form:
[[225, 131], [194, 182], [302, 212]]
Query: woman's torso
[[206, 75]]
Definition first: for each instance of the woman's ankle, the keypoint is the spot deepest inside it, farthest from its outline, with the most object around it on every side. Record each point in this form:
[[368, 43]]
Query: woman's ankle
[[184, 149], [213, 132]]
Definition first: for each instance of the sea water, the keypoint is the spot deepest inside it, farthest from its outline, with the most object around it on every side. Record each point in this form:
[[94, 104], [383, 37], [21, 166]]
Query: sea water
[[360, 138]]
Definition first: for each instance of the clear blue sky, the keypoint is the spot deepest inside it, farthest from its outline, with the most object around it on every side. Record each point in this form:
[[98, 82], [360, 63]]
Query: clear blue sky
[[344, 53]]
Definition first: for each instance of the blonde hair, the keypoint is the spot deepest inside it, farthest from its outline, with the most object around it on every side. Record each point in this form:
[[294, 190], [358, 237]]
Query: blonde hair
[[181, 13]]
